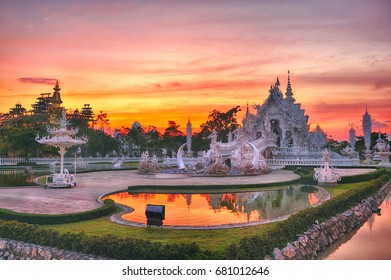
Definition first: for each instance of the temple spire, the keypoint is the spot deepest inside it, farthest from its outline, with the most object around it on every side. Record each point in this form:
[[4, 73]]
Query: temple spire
[[189, 132], [289, 82], [278, 82], [289, 93], [56, 98]]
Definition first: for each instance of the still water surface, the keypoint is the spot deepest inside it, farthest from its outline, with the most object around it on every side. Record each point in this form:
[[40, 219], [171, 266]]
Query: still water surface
[[211, 209], [370, 242]]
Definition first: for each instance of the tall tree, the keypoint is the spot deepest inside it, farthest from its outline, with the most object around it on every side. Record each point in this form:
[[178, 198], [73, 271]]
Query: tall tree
[[173, 138], [222, 122], [102, 121]]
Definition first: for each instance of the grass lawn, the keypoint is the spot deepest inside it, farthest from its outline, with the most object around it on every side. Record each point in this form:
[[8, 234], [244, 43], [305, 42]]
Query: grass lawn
[[213, 240]]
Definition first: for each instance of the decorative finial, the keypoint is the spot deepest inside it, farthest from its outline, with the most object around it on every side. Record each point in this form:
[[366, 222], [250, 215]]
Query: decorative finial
[[57, 87], [289, 88], [277, 82]]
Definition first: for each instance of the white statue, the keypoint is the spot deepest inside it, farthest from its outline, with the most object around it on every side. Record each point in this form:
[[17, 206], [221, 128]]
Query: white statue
[[326, 175]]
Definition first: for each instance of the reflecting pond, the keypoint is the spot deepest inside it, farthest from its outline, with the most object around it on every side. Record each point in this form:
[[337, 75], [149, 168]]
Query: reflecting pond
[[212, 209], [19, 176], [370, 242]]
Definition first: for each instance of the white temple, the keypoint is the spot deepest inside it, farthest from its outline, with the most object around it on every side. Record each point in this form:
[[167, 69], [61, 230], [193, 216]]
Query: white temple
[[286, 119], [279, 128], [277, 134]]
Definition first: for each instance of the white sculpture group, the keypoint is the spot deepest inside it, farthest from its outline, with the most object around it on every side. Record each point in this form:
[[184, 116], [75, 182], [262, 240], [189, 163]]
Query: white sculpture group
[[327, 175], [147, 165]]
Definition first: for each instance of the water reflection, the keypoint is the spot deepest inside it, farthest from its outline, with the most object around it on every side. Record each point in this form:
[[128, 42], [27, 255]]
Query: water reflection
[[371, 242], [206, 209], [19, 177]]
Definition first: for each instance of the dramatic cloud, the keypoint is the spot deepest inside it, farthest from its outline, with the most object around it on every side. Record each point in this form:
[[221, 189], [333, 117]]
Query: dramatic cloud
[[174, 59], [376, 124], [45, 81]]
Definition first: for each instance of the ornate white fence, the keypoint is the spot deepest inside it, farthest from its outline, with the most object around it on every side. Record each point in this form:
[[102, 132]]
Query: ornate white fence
[[312, 162], [173, 161], [15, 160]]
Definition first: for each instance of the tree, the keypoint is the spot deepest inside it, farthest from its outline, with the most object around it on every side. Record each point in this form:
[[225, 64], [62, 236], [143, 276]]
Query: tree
[[172, 130], [22, 142], [153, 140], [102, 121], [136, 139], [99, 143], [173, 138], [222, 122]]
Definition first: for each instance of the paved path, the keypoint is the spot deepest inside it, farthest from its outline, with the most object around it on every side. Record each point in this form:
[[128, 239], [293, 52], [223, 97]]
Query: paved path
[[91, 186]]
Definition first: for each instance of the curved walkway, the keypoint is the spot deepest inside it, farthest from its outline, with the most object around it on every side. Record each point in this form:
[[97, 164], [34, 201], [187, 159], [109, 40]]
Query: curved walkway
[[91, 186]]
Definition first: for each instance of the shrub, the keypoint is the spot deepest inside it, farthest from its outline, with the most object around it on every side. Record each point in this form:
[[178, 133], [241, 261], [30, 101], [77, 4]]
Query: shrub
[[45, 219], [363, 177], [113, 247], [26, 163]]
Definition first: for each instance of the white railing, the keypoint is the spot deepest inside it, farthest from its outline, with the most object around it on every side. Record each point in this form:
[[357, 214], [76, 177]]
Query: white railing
[[173, 161], [15, 160], [312, 162]]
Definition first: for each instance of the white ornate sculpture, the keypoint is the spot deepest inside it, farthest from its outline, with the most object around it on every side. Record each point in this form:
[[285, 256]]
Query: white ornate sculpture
[[383, 148], [326, 175], [166, 160], [62, 138], [145, 166], [349, 152]]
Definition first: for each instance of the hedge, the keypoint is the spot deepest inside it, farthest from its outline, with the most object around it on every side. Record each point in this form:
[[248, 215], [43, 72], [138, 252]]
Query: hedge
[[363, 177], [258, 246], [45, 219], [109, 246], [26, 163]]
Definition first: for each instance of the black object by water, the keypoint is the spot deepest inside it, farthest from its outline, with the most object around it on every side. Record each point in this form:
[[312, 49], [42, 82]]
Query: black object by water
[[155, 215]]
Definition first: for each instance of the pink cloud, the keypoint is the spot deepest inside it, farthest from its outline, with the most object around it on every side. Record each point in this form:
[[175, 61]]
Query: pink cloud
[[45, 81]]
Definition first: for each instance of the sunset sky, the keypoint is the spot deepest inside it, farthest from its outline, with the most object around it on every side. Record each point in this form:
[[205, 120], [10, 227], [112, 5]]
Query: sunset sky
[[154, 61]]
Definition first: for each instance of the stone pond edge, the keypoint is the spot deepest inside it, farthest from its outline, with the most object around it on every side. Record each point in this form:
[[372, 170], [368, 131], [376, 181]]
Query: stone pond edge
[[320, 236]]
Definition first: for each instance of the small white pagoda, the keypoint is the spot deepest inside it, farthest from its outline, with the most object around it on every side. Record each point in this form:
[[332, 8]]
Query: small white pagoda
[[326, 175], [63, 138], [383, 151]]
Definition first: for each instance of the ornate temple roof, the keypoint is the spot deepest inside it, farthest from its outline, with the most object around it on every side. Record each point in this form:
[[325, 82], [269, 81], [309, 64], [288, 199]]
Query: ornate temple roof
[[291, 111]]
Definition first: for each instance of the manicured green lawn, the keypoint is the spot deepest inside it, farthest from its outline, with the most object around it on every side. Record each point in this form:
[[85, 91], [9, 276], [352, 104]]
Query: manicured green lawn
[[214, 240], [340, 188]]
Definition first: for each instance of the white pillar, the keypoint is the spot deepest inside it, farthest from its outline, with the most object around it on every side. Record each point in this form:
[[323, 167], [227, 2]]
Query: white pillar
[[62, 153]]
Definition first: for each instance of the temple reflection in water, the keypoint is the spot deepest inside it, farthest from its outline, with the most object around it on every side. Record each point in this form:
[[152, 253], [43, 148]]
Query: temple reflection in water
[[211, 209]]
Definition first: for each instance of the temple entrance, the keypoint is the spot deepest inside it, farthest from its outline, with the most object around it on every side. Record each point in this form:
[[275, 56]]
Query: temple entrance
[[276, 129]]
